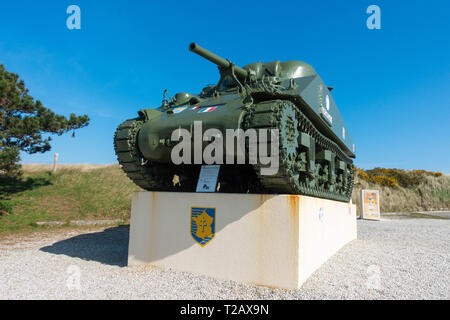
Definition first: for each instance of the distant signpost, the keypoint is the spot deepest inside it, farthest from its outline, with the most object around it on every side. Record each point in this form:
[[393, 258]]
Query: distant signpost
[[55, 163], [370, 204]]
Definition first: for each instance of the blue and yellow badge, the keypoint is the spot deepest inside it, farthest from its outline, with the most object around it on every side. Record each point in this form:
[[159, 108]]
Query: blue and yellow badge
[[203, 224]]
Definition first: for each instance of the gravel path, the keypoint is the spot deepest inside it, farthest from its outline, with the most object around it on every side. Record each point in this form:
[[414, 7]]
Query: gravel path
[[392, 259]]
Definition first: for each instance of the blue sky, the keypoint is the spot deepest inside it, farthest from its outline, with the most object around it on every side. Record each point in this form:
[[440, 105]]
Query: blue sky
[[392, 85]]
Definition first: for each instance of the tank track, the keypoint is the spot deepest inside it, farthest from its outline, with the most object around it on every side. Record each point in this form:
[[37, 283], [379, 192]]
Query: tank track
[[293, 178], [129, 156], [149, 176]]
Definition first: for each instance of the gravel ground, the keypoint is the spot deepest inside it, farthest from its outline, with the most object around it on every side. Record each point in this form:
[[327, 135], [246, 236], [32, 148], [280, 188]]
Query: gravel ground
[[392, 259]]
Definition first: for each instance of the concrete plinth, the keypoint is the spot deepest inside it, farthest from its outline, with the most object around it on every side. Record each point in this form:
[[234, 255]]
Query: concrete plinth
[[272, 240]]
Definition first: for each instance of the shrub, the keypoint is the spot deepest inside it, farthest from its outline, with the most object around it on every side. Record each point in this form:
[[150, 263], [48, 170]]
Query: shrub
[[428, 173], [385, 181], [402, 177], [396, 177], [363, 175]]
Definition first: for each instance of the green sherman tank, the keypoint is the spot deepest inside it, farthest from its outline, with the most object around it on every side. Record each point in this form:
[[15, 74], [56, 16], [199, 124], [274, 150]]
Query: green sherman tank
[[315, 149]]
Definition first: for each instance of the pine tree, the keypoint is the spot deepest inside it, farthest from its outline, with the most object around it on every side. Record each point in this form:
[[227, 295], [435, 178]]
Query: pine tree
[[23, 121]]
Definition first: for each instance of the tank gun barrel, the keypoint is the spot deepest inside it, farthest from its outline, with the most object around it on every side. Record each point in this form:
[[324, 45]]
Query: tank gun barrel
[[221, 62]]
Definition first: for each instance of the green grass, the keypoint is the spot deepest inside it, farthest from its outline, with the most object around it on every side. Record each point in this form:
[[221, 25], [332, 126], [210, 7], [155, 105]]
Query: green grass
[[443, 195], [71, 194]]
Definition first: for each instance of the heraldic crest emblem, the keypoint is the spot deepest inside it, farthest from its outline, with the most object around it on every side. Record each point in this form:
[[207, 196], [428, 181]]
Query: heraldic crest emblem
[[203, 224]]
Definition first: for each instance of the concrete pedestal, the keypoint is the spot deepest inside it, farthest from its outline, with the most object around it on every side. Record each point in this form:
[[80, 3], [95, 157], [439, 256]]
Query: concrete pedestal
[[271, 240]]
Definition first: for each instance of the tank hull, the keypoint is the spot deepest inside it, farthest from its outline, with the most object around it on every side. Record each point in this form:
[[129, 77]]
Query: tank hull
[[155, 137]]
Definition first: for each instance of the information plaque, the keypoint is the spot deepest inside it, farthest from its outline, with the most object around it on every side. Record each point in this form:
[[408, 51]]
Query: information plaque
[[370, 204], [207, 180]]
